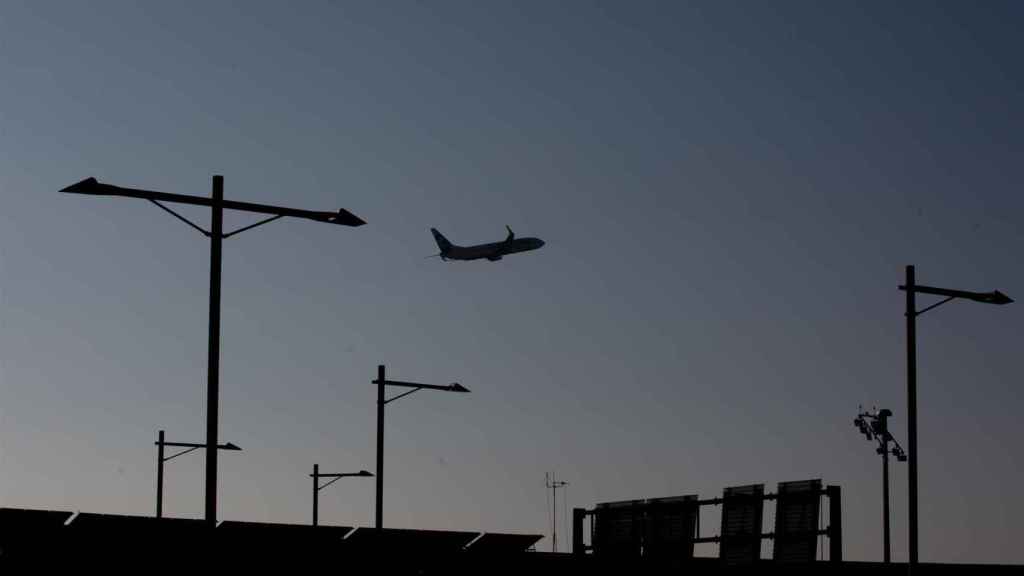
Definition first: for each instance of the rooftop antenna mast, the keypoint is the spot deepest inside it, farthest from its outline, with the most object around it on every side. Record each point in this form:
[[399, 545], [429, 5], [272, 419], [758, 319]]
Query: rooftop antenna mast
[[550, 482]]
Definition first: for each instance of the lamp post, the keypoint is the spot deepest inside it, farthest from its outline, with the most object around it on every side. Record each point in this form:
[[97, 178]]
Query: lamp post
[[217, 205], [875, 426], [316, 476], [912, 289], [160, 459], [381, 382]]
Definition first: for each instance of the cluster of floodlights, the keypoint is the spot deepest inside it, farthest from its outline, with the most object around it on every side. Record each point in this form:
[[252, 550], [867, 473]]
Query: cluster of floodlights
[[874, 426]]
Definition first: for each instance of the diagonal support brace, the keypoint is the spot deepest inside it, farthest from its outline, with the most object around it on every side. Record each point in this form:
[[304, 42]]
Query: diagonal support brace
[[936, 305], [389, 400], [251, 226], [180, 217], [180, 453]]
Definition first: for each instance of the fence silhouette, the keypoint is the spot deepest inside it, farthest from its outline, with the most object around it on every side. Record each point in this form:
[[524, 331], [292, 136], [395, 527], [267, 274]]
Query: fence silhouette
[[668, 528]]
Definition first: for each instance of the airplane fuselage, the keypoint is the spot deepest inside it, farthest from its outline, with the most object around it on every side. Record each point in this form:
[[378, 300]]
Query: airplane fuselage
[[493, 250]]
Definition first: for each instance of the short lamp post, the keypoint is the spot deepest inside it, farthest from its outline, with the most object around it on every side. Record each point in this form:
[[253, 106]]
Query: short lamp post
[[317, 487], [381, 383], [160, 459]]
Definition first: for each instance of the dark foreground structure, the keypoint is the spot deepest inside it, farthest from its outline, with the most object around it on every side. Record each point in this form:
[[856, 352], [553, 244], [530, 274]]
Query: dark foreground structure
[[39, 541], [666, 529]]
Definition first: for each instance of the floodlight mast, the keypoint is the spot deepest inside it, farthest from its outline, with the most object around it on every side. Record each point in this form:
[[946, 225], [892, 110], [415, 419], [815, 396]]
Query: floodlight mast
[[217, 204], [875, 426]]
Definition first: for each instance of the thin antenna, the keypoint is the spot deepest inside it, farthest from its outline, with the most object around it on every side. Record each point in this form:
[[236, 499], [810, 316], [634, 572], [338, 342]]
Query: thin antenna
[[550, 482], [565, 512]]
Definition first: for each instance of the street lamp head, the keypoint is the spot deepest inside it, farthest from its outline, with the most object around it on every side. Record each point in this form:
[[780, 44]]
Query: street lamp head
[[456, 387], [342, 217], [364, 473], [993, 297], [997, 297], [229, 446], [87, 186]]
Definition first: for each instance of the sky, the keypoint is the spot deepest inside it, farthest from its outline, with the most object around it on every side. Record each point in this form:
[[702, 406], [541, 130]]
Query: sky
[[729, 193]]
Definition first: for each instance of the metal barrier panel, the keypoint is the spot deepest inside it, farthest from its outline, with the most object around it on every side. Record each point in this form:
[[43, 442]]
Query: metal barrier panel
[[670, 527], [797, 513], [742, 513], [618, 528]]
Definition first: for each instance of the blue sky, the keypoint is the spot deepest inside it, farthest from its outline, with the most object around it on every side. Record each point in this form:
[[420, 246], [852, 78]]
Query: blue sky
[[728, 191]]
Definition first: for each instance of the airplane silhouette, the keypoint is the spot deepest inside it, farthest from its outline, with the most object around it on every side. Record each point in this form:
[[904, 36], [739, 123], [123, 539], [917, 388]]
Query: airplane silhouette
[[492, 251]]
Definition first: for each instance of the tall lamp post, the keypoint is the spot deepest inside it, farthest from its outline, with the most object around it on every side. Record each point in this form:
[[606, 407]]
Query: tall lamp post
[[912, 289], [875, 426], [316, 476], [160, 459], [381, 383], [216, 234]]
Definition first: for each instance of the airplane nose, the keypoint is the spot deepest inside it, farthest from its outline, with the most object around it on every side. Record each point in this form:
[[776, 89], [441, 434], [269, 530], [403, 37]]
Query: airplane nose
[[539, 243]]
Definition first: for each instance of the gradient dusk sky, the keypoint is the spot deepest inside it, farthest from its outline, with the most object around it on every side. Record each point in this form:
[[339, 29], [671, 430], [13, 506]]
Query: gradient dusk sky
[[729, 192]]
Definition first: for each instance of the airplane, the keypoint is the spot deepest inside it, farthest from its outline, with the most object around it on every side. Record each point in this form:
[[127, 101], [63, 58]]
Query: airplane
[[492, 251]]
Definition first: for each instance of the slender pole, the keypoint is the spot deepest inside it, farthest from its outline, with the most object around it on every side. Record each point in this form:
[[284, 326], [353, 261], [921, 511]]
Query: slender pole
[[160, 475], [554, 514], [550, 482], [316, 492], [912, 417], [380, 447], [213, 358], [885, 493]]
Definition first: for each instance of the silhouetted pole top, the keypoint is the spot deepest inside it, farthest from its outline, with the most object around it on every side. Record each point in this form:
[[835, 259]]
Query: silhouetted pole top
[[217, 204], [92, 187]]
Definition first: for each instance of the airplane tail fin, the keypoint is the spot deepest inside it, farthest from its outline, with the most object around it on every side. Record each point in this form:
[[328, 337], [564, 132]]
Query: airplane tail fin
[[442, 243]]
